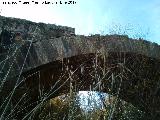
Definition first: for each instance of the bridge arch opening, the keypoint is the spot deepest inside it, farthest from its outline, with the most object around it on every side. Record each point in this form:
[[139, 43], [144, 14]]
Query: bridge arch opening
[[125, 75]]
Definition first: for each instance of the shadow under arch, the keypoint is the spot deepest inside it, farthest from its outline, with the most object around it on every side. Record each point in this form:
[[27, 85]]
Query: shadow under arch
[[133, 77]]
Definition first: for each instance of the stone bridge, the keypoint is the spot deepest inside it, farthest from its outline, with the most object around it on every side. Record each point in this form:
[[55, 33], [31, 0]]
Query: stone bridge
[[41, 61]]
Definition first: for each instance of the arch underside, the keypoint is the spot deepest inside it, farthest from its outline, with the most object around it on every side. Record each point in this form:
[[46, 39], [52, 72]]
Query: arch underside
[[132, 77]]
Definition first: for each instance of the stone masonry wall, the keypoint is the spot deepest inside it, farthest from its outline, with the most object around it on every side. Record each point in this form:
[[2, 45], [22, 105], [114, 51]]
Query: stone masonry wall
[[46, 43]]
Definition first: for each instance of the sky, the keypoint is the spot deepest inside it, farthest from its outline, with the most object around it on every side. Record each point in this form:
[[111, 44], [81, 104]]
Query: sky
[[91, 99], [136, 18]]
